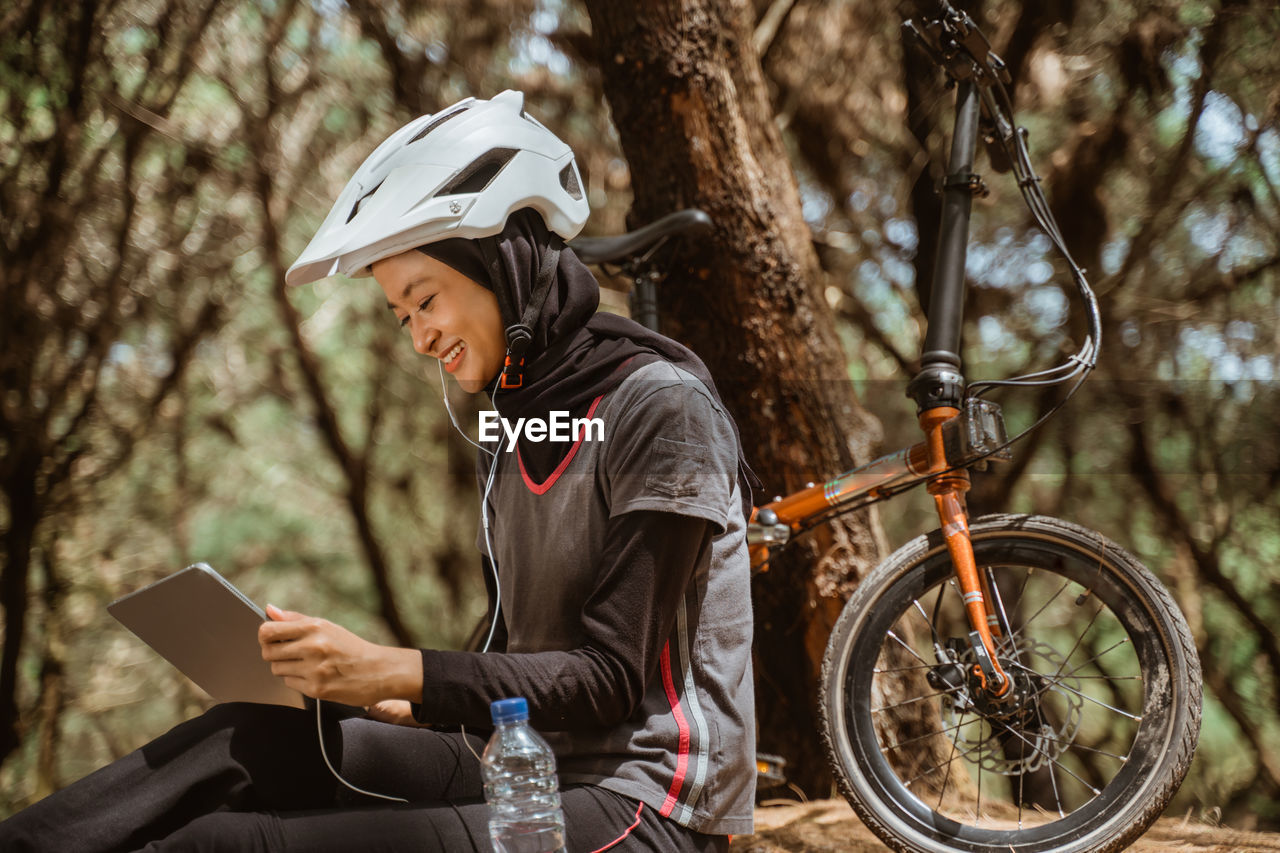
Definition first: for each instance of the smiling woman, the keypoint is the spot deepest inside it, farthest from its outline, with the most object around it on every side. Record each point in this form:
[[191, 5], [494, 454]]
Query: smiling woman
[[448, 316], [615, 559]]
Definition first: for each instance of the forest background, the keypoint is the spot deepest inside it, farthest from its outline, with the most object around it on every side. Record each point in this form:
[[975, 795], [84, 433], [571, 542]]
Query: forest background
[[165, 400]]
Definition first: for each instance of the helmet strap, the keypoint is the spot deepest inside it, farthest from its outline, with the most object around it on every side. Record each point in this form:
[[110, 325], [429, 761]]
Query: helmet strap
[[519, 334]]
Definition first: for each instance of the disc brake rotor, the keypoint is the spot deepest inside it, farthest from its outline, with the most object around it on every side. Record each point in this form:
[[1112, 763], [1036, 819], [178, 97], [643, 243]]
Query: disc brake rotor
[[1034, 729]]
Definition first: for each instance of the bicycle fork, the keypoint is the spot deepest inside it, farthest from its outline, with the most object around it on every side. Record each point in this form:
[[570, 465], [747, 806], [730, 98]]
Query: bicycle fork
[[948, 488]]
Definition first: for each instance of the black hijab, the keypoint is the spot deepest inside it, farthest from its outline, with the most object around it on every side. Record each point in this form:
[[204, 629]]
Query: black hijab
[[576, 353]]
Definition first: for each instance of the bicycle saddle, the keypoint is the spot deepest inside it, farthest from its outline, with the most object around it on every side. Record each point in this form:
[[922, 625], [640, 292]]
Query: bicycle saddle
[[599, 250]]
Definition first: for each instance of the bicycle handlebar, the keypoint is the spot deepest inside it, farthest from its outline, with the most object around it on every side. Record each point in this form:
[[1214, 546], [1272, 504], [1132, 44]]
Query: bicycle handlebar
[[952, 39], [955, 43]]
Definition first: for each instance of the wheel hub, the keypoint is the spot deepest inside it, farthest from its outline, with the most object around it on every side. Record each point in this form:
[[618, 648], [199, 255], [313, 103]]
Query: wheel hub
[[1028, 727]]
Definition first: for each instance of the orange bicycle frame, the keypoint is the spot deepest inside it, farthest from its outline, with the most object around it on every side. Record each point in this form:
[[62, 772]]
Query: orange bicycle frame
[[774, 523], [951, 421]]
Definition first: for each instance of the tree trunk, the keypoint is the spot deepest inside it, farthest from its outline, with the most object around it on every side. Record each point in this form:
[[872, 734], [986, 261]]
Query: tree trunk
[[24, 515], [52, 699], [687, 95]]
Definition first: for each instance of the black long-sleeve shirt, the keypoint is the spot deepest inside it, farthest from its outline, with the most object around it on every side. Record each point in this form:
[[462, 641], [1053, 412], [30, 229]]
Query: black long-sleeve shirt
[[644, 569]]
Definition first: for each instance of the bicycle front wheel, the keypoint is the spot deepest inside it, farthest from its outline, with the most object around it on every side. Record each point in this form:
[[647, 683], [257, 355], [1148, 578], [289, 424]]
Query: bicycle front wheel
[[1099, 732]]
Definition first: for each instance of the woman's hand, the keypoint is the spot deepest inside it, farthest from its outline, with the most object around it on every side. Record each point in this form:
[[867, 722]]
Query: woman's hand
[[326, 661], [395, 711]]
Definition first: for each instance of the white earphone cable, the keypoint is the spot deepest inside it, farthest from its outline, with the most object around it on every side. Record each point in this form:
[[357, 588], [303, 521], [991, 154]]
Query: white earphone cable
[[488, 546], [497, 584], [324, 754], [444, 395]]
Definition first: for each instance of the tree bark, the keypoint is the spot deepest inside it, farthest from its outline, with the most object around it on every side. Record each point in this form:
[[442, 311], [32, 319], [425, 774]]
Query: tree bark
[[687, 95], [24, 515], [52, 699]]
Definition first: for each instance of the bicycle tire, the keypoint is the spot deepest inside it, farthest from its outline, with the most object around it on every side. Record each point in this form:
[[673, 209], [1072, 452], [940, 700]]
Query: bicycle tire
[[1112, 772]]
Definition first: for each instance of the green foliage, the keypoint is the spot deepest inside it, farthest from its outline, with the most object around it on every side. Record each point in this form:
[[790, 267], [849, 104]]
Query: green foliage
[[229, 463], [157, 215], [1180, 237]]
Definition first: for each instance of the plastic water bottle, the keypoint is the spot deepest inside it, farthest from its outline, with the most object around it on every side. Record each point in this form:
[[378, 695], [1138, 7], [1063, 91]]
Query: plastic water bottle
[[520, 785]]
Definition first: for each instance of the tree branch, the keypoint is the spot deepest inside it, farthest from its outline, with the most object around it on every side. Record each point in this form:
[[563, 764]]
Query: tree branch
[[1162, 187], [770, 24], [350, 463], [853, 311], [1207, 563]]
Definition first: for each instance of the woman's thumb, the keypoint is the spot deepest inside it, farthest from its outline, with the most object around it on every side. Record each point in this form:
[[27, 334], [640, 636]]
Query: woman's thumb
[[279, 615]]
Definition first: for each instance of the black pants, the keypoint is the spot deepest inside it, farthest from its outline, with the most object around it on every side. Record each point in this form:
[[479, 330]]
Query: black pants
[[244, 778]]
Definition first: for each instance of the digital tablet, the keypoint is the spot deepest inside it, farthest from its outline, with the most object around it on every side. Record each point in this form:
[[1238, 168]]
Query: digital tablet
[[208, 629]]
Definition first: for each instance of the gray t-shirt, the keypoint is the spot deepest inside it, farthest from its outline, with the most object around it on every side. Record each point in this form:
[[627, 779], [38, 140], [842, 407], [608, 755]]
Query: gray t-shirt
[[688, 750]]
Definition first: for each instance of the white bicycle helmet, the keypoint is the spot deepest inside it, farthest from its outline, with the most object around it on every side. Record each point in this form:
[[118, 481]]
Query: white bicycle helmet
[[457, 173]]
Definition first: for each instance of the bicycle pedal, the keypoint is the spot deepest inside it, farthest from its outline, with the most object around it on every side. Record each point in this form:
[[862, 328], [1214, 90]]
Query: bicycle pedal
[[769, 770]]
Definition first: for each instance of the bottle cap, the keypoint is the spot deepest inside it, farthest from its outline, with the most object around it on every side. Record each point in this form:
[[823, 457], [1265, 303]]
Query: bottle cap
[[509, 710]]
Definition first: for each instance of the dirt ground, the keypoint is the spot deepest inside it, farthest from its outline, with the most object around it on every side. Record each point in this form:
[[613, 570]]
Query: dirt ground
[[830, 826]]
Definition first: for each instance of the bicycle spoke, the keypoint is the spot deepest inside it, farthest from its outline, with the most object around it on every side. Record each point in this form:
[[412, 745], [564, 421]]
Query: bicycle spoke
[[942, 789], [1060, 680], [913, 652], [1134, 717], [1121, 642], [1026, 622], [914, 701], [923, 615], [1026, 579], [977, 806], [1057, 797], [1021, 778], [913, 668], [1053, 761], [1080, 638], [1058, 684], [1074, 745], [947, 730]]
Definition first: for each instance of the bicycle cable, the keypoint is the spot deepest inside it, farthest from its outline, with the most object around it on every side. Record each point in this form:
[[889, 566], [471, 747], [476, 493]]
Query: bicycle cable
[[1013, 140], [1077, 366], [892, 491], [998, 107]]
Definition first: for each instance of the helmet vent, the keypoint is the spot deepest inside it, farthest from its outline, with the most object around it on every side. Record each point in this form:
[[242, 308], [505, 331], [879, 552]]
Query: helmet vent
[[355, 208], [480, 173], [569, 181], [434, 124]]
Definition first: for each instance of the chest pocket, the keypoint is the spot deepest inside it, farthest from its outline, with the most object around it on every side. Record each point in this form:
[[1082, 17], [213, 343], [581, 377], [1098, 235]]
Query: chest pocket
[[674, 466]]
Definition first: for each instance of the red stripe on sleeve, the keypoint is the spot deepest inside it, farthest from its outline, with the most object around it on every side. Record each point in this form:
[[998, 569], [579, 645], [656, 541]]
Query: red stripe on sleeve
[[682, 757]]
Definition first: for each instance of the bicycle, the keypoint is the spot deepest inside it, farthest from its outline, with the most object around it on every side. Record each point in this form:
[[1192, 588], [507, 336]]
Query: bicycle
[[1028, 652]]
